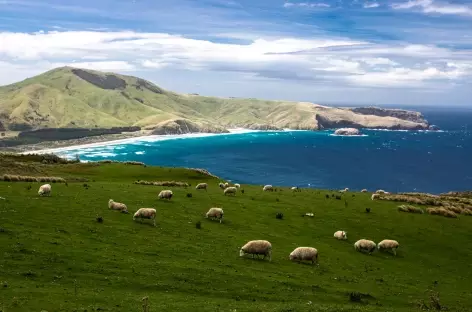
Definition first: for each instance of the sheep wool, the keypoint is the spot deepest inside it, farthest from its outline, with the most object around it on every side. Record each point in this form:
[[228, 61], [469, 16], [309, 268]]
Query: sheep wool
[[166, 194], [117, 206], [230, 190], [340, 235], [215, 213], [388, 244], [237, 185], [268, 188], [365, 245], [146, 213], [44, 190], [304, 253], [257, 247], [226, 185], [380, 192], [364, 191], [201, 186], [375, 196], [222, 186]]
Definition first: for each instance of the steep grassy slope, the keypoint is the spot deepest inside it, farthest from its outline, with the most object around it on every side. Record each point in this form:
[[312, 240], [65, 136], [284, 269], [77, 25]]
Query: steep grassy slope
[[71, 97], [57, 257]]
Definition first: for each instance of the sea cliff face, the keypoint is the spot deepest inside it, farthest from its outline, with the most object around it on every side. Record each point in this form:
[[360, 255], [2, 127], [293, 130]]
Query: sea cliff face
[[182, 126]]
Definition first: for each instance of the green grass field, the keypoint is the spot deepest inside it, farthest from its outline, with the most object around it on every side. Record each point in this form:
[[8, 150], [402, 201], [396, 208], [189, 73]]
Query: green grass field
[[55, 256]]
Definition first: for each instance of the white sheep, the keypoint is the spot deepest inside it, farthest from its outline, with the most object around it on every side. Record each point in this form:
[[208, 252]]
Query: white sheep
[[222, 186], [364, 191], [304, 253], [201, 186], [295, 189], [257, 247], [146, 213], [215, 213], [117, 206], [166, 194], [365, 245], [268, 188], [344, 191], [230, 190], [226, 185], [375, 196], [237, 185], [45, 190], [388, 244], [340, 235], [380, 192]]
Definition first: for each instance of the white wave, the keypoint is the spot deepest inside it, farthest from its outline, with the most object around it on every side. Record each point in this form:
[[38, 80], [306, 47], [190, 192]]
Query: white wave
[[342, 135], [140, 153]]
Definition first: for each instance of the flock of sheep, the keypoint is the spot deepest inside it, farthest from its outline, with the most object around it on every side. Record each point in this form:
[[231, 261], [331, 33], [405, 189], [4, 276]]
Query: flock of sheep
[[254, 247]]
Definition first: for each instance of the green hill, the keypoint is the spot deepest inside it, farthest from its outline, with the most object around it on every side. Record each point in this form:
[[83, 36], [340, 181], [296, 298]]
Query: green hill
[[70, 97], [57, 257]]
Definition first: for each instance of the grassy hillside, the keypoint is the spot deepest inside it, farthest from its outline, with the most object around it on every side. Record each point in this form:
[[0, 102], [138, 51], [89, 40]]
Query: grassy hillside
[[71, 97], [57, 257]]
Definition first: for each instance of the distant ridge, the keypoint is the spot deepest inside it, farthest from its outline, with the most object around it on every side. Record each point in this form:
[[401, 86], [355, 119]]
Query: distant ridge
[[70, 97]]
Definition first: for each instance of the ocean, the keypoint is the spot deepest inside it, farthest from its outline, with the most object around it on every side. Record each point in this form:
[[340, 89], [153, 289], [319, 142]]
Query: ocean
[[396, 161]]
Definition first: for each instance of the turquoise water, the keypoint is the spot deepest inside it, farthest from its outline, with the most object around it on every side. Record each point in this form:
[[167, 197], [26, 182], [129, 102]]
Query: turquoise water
[[391, 160]]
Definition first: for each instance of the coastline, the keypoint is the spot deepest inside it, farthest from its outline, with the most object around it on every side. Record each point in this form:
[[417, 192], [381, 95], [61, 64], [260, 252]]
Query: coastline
[[123, 138]]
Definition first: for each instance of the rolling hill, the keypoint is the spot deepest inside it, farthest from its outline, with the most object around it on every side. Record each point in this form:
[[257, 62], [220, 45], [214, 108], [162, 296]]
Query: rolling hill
[[69, 97]]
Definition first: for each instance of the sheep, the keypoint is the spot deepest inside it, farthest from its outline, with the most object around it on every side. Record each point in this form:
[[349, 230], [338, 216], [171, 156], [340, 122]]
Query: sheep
[[201, 186], [388, 244], [237, 185], [45, 190], [226, 185], [257, 247], [146, 213], [375, 196], [344, 191], [340, 235], [268, 188], [304, 253], [230, 190], [295, 189], [364, 191], [166, 194], [222, 186], [117, 206], [380, 192], [215, 213], [365, 245]]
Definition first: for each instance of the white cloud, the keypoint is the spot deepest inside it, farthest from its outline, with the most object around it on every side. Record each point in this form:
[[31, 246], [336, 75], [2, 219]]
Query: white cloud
[[347, 62], [306, 5], [371, 5], [430, 6]]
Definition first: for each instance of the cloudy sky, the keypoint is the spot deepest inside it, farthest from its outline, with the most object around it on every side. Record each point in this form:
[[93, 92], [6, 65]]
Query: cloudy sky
[[346, 51]]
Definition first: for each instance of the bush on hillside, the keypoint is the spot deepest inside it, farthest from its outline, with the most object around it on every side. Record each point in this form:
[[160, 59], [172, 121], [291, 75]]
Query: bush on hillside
[[162, 183]]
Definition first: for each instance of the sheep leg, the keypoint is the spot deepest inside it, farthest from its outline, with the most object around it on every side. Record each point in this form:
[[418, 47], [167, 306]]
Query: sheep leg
[[394, 251]]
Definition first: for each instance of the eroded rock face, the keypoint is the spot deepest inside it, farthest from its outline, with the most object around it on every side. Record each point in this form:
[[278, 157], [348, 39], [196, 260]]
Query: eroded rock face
[[182, 126], [347, 131], [109, 82]]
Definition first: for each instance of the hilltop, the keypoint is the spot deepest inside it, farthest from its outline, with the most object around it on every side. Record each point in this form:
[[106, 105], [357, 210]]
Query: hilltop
[[57, 256], [70, 97]]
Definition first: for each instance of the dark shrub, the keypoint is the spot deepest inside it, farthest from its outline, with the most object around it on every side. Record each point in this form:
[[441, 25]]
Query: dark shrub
[[355, 297], [327, 196], [189, 195], [198, 225], [100, 219], [242, 191], [367, 210], [279, 216], [277, 200], [338, 197]]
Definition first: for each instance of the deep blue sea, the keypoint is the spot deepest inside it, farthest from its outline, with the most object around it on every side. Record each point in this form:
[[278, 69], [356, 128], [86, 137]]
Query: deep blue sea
[[397, 161]]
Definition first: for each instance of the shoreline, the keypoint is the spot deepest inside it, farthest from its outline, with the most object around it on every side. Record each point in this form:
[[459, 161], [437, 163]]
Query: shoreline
[[125, 139]]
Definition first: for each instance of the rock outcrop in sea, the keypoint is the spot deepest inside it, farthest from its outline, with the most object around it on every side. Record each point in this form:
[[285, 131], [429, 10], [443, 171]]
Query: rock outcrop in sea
[[347, 131]]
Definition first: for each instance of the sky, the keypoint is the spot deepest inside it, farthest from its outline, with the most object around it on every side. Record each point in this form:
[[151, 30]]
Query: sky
[[411, 52]]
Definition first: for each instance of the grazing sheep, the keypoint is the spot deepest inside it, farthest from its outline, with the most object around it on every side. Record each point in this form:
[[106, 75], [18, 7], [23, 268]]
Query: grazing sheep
[[201, 186], [340, 235], [117, 206], [304, 253], [344, 191], [45, 190], [364, 191], [365, 245], [257, 247], [146, 213], [230, 190], [380, 192], [226, 185], [237, 185], [166, 194], [388, 244], [295, 189], [215, 213], [375, 196], [222, 186], [268, 188]]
